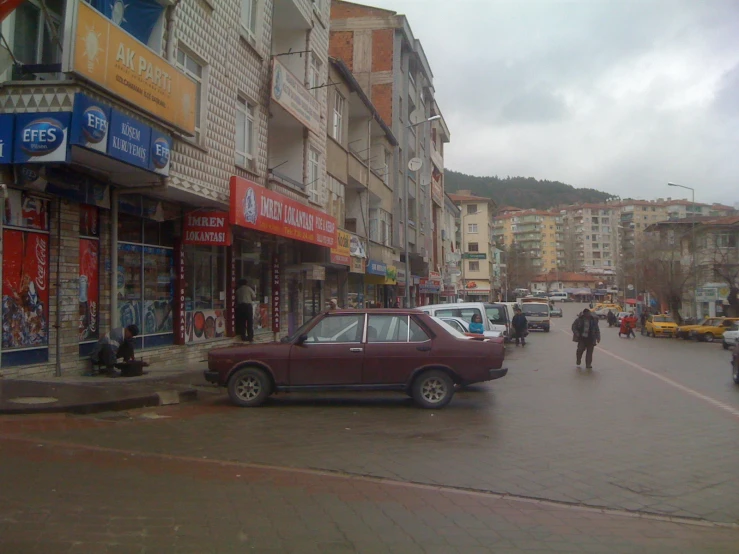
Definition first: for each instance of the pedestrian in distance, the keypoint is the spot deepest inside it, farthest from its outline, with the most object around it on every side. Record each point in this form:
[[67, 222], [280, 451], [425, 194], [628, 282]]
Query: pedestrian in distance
[[245, 296], [520, 327], [631, 326], [476, 325], [624, 329], [612, 319], [586, 333], [643, 321]]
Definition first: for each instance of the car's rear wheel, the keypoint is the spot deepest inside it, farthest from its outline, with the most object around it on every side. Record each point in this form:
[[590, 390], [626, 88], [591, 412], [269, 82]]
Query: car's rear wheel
[[249, 387], [708, 337], [433, 389]]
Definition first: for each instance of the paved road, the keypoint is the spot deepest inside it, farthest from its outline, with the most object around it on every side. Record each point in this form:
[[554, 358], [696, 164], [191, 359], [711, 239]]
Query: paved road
[[651, 430]]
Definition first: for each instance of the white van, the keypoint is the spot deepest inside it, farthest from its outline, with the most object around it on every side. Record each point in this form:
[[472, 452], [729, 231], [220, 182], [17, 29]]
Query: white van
[[494, 315], [537, 314], [559, 296]]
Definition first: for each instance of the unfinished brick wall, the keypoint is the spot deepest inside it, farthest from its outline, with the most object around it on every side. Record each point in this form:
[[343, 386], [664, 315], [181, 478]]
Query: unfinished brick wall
[[341, 46], [382, 49], [382, 98]]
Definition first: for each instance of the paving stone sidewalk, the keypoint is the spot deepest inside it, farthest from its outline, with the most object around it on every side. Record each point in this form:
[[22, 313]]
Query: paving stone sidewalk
[[64, 498]]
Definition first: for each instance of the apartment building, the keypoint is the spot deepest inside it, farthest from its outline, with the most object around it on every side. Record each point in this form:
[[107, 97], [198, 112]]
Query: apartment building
[[390, 64], [591, 236], [166, 186], [360, 197], [451, 245], [538, 233], [477, 245]]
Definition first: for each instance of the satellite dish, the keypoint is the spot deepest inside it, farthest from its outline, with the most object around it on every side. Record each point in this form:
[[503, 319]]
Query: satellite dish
[[414, 164], [416, 117]]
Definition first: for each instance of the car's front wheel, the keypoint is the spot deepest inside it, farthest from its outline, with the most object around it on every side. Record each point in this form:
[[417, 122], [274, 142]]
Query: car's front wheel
[[433, 389], [249, 387], [708, 337]]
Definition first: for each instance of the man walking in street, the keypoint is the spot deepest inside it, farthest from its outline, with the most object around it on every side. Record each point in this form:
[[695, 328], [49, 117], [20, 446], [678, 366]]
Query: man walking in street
[[586, 333]]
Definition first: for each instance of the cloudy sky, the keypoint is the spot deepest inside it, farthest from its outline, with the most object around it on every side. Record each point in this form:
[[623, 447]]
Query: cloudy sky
[[622, 96]]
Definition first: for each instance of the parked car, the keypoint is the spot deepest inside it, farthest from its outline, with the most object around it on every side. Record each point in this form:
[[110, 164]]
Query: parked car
[[463, 326], [559, 296], [537, 314], [714, 328], [602, 313], [495, 316], [360, 350], [660, 326], [731, 337], [556, 312], [683, 332]]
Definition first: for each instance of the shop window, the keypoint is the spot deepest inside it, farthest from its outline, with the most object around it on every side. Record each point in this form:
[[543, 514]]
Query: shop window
[[89, 278], [25, 326], [145, 280], [205, 293], [253, 260]]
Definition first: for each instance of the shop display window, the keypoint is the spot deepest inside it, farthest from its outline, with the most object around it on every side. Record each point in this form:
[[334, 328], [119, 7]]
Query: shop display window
[[26, 279], [253, 259], [89, 275], [205, 293], [145, 280]]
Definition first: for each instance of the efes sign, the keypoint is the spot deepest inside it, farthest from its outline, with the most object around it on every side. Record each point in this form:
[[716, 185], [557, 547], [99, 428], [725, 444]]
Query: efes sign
[[41, 137], [98, 127], [105, 54]]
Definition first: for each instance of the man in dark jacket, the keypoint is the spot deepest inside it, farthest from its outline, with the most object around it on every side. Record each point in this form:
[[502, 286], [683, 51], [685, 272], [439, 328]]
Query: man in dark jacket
[[118, 343], [586, 333], [520, 326]]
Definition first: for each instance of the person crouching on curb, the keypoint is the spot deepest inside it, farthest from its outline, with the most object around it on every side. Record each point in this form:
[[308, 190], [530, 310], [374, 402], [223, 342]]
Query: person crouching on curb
[[586, 333], [118, 343], [520, 327]]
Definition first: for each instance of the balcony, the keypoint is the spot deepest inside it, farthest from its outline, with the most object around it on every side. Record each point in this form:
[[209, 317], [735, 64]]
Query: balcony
[[358, 173]]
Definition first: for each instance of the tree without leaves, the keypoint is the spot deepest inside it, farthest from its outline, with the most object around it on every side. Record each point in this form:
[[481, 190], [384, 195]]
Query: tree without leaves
[[519, 265], [663, 272]]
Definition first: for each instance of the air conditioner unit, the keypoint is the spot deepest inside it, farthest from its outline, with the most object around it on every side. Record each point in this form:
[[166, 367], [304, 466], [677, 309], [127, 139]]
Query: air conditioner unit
[[443, 234]]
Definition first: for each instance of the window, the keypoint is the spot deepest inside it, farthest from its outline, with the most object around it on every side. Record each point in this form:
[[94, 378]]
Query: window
[[249, 18], [381, 226], [417, 334], [32, 39], [195, 70], [473, 247], [471, 209], [313, 185], [314, 75], [244, 132], [338, 123], [387, 328], [474, 266], [472, 227], [726, 240], [337, 328], [205, 278]]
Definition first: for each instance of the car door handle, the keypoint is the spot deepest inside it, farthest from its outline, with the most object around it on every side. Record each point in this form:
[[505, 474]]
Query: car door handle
[[423, 348], [356, 350]]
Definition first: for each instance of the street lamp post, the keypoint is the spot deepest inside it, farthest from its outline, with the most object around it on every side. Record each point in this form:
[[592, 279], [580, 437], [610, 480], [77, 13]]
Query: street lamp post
[[692, 240], [413, 165]]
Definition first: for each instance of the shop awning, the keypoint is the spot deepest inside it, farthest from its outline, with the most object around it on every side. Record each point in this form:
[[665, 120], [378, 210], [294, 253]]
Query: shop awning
[[255, 207]]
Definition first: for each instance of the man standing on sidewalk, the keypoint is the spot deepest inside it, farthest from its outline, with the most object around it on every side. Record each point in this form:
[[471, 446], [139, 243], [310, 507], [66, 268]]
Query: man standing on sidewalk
[[245, 296], [586, 332]]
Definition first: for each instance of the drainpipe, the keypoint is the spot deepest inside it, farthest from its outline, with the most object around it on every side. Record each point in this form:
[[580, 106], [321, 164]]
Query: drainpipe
[[58, 325]]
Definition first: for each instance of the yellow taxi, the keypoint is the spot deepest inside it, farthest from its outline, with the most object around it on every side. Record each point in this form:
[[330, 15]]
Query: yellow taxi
[[683, 332], [660, 326], [712, 328], [615, 308]]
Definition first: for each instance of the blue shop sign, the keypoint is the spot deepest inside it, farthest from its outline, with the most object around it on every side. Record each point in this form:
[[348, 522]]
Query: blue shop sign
[[7, 128], [129, 140], [41, 137], [161, 146], [90, 123], [376, 268]]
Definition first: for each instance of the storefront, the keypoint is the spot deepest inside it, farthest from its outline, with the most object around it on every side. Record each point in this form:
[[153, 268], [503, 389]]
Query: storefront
[[147, 232], [337, 272], [381, 285], [287, 234]]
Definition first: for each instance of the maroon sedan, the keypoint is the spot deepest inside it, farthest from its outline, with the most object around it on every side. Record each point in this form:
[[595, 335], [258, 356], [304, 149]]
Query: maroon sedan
[[360, 350]]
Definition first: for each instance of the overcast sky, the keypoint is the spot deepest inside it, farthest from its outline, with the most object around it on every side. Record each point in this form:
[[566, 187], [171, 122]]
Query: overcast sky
[[622, 96]]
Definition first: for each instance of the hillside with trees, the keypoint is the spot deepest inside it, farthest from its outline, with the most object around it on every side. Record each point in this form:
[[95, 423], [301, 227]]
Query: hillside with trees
[[522, 192]]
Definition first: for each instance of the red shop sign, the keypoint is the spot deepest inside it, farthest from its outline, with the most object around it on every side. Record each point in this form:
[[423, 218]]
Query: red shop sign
[[209, 228], [254, 207]]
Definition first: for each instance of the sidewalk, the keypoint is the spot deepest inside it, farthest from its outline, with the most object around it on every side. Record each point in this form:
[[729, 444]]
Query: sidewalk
[[78, 394]]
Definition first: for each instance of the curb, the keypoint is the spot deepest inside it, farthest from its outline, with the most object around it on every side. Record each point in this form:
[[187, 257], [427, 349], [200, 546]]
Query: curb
[[159, 398]]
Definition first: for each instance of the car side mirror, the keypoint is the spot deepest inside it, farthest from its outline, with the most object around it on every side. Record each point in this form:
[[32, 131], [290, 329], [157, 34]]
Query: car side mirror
[[301, 340]]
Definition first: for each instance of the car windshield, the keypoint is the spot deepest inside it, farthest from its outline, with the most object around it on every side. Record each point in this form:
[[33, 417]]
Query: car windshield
[[448, 328], [536, 310], [662, 319]]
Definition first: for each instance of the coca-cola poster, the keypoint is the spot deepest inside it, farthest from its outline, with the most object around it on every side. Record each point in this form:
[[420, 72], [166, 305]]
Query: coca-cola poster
[[89, 290], [25, 289], [25, 210]]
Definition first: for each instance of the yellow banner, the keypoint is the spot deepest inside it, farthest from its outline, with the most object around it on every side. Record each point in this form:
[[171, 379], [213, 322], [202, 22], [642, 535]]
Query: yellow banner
[[343, 240], [107, 55]]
